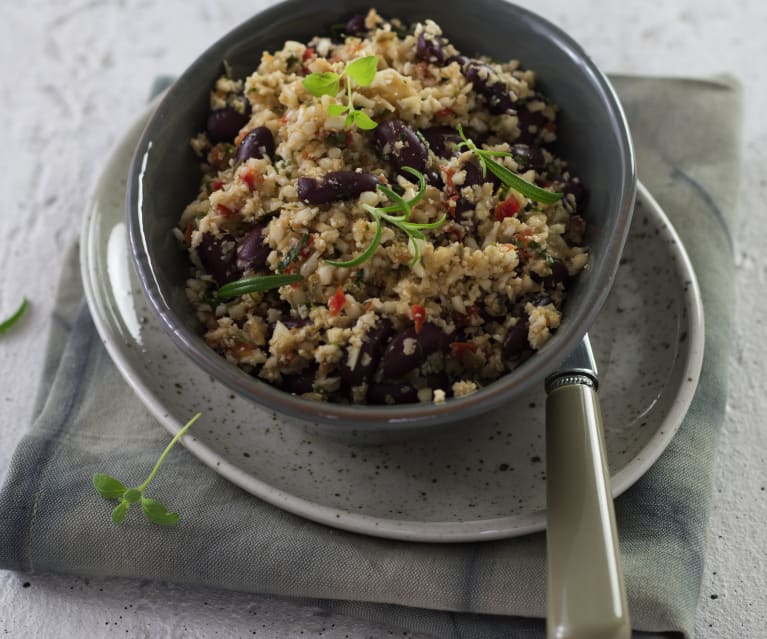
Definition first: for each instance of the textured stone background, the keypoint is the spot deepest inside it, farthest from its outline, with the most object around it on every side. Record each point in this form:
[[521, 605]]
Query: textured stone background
[[73, 74]]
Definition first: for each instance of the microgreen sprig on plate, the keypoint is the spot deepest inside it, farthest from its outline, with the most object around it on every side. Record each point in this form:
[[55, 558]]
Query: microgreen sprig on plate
[[402, 222], [111, 488], [509, 178], [361, 71], [8, 323]]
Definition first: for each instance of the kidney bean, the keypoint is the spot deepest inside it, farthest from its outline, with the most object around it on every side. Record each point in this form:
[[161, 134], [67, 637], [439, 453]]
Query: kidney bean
[[300, 383], [253, 251], [559, 273], [528, 156], [295, 322], [441, 139], [487, 83], [373, 344], [391, 393], [578, 191], [462, 60], [395, 362], [434, 178], [439, 380], [515, 342], [218, 256], [530, 124], [258, 143], [400, 145], [356, 26], [336, 185], [224, 124], [474, 176], [429, 49], [462, 205]]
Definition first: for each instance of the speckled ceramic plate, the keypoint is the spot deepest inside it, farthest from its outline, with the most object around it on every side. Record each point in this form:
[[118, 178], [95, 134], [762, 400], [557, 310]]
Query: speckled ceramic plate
[[482, 480]]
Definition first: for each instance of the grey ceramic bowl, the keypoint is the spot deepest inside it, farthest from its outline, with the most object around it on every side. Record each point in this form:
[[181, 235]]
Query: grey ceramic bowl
[[594, 139]]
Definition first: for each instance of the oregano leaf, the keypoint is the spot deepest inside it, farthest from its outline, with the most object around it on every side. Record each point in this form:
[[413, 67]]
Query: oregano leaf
[[362, 70], [118, 514], [319, 84], [108, 486], [363, 120], [336, 109], [155, 512]]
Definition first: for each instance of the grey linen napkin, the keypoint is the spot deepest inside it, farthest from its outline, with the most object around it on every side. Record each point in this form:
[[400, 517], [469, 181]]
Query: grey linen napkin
[[88, 420]]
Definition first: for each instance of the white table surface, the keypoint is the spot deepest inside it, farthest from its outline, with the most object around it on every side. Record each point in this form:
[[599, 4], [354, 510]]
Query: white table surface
[[74, 73]]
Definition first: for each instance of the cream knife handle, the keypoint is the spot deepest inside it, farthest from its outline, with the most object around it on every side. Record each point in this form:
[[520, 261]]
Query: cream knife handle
[[586, 595]]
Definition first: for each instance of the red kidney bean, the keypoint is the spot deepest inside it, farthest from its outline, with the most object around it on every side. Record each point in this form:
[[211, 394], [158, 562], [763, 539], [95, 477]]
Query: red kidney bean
[[258, 143], [515, 342], [373, 344], [439, 380], [528, 156], [218, 257], [401, 146], [295, 322], [224, 124], [487, 83], [253, 251], [559, 273], [300, 383], [441, 139], [576, 188], [462, 60], [474, 176], [462, 205], [356, 26], [391, 393], [530, 124], [429, 49], [336, 185], [395, 362], [434, 178]]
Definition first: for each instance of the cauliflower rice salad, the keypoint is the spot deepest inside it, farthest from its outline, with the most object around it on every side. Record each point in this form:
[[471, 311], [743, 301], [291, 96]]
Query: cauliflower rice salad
[[379, 219]]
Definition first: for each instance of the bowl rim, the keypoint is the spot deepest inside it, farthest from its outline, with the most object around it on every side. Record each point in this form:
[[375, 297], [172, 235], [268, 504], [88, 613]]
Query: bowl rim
[[397, 416]]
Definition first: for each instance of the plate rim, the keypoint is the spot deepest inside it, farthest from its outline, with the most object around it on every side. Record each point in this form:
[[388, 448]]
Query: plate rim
[[418, 531]]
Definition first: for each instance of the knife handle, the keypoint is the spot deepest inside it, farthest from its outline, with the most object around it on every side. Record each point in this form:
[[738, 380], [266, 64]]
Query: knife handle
[[586, 594]]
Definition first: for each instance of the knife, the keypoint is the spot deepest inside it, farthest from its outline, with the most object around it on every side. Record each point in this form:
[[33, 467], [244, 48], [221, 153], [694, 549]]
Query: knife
[[586, 596]]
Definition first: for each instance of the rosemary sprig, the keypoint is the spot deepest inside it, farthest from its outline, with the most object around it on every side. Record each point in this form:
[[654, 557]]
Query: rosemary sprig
[[509, 178], [402, 222], [255, 284]]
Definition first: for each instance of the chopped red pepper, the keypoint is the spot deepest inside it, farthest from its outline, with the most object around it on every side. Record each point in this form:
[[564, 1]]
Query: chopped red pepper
[[216, 185], [444, 112], [459, 348], [418, 313], [224, 210], [188, 233], [249, 177], [306, 249], [308, 53], [508, 208], [337, 302]]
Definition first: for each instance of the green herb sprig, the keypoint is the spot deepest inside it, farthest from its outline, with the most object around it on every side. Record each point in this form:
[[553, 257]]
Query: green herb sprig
[[255, 284], [509, 178], [361, 71], [111, 488], [8, 323], [402, 222]]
